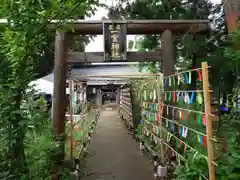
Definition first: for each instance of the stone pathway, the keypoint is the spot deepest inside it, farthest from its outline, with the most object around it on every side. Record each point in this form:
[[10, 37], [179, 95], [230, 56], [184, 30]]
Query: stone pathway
[[113, 154]]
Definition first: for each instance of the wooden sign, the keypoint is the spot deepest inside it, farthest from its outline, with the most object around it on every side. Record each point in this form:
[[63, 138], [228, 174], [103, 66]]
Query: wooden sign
[[115, 38]]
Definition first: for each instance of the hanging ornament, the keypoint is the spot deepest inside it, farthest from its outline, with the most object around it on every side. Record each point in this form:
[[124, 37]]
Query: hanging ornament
[[190, 77], [204, 141], [166, 123], [199, 118], [180, 143], [184, 132], [169, 96], [183, 114], [174, 96], [169, 81], [151, 95], [191, 98], [154, 95], [186, 98], [186, 78], [185, 148], [173, 79], [204, 122], [199, 75], [145, 95], [169, 135], [178, 80], [165, 82], [199, 98], [172, 126], [178, 96], [173, 112]]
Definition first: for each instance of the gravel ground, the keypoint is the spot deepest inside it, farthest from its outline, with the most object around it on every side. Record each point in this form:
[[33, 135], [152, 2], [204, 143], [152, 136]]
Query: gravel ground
[[113, 154]]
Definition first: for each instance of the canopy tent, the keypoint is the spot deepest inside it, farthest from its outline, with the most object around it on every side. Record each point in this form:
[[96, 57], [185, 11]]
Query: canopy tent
[[45, 84]]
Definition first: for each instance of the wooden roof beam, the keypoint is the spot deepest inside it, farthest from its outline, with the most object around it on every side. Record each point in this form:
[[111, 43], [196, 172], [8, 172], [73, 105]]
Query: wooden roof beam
[[134, 27], [97, 57]]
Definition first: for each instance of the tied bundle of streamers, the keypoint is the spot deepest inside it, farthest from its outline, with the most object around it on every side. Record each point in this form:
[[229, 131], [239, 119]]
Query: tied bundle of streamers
[[179, 115]]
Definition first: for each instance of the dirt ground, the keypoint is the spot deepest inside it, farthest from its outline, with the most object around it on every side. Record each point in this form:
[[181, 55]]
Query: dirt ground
[[113, 154]]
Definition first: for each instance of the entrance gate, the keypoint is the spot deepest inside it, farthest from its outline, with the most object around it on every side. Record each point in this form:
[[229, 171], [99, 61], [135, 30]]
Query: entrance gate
[[114, 32]]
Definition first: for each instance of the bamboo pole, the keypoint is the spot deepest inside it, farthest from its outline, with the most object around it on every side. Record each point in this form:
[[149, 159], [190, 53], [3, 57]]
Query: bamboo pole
[[71, 119], [160, 110], [207, 104]]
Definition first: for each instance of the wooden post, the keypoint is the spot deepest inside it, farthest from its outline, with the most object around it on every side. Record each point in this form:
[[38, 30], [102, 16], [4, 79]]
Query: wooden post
[[168, 56], [160, 111], [167, 52], [71, 118], [59, 99], [207, 104]]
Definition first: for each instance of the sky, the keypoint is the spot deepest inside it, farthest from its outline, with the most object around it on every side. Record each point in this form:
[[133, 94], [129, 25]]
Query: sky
[[92, 47]]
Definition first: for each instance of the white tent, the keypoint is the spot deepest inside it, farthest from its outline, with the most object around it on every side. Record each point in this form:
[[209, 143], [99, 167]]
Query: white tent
[[45, 84]]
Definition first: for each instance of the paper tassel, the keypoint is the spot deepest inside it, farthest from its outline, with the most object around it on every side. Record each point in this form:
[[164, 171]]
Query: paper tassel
[[186, 78], [178, 96], [179, 80], [199, 98], [165, 96], [199, 75], [169, 81], [199, 118], [172, 126], [191, 98], [183, 114], [173, 79], [169, 96], [185, 132], [166, 123], [158, 131], [174, 96], [201, 140], [204, 122], [165, 82], [185, 148], [173, 112], [186, 98], [198, 137], [190, 77], [180, 114], [154, 95], [204, 141], [172, 152], [167, 110], [180, 144]]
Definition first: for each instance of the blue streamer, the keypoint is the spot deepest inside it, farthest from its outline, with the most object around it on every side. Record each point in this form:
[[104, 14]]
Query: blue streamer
[[181, 130], [191, 98], [201, 140], [165, 82], [172, 126], [186, 77]]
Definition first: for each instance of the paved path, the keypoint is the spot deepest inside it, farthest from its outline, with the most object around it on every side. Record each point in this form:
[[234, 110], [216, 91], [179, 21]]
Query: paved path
[[113, 154]]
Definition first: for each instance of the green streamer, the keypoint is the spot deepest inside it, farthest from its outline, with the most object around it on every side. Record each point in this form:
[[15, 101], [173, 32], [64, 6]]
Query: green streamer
[[169, 96], [199, 118]]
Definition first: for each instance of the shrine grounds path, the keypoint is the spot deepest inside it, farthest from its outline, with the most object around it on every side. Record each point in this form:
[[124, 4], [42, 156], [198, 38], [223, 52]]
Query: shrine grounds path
[[113, 154]]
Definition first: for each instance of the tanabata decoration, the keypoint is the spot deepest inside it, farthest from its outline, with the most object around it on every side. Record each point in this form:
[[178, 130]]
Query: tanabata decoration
[[202, 139]]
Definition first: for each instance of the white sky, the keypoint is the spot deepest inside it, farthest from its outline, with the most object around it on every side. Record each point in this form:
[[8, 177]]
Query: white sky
[[97, 44]]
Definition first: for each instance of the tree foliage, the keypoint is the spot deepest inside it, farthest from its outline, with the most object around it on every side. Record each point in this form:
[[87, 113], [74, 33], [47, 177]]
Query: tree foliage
[[26, 44]]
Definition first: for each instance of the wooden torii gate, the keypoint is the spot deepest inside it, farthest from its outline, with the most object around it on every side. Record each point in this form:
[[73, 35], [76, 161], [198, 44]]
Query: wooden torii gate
[[166, 28]]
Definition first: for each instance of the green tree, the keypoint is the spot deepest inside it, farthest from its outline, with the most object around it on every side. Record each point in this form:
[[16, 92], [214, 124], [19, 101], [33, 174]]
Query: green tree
[[25, 43]]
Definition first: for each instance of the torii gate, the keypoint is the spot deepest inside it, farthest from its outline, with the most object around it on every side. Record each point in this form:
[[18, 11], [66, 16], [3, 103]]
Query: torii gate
[[166, 28]]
